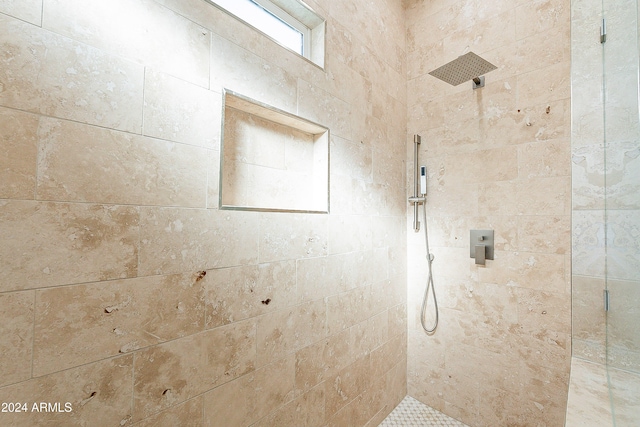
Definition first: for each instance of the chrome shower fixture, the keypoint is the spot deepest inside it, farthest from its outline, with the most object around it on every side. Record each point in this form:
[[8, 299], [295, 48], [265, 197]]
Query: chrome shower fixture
[[417, 198], [464, 68]]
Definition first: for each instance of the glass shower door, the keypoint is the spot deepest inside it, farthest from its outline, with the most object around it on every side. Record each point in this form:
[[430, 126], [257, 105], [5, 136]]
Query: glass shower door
[[621, 119]]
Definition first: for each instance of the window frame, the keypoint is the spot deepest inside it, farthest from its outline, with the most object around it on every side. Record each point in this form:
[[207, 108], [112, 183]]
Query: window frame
[[308, 23], [285, 17]]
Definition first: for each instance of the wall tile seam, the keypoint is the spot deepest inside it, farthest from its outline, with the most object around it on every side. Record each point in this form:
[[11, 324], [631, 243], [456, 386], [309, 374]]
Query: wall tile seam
[[89, 47], [32, 378], [356, 35], [24, 20], [202, 395], [516, 108], [168, 408], [475, 23], [132, 60], [184, 272], [93, 125], [108, 204]]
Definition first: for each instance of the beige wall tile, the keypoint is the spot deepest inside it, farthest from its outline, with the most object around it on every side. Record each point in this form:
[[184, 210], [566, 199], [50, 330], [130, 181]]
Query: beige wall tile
[[158, 37], [97, 393], [480, 166], [304, 410], [17, 347], [237, 293], [285, 236], [180, 111], [79, 324], [352, 159], [388, 169], [27, 10], [548, 234], [543, 311], [540, 159], [544, 196], [206, 15], [90, 164], [388, 355], [547, 348], [321, 107], [490, 32], [275, 384], [346, 309], [180, 240], [178, 370], [463, 405], [542, 122], [55, 76], [531, 54], [540, 16], [498, 198], [286, 331], [495, 407], [542, 86], [243, 72], [459, 200], [75, 243], [251, 397], [425, 376], [527, 270], [188, 414], [18, 143], [326, 276], [321, 360], [588, 399], [346, 385], [349, 233], [231, 404]]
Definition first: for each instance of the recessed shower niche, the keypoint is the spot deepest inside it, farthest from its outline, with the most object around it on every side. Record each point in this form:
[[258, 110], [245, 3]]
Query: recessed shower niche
[[271, 160]]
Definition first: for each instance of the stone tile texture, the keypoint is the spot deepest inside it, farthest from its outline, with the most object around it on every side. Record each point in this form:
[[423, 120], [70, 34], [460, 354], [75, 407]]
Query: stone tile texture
[[125, 291]]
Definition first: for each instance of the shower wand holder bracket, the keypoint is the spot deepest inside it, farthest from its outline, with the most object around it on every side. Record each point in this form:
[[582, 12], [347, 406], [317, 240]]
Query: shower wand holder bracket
[[481, 245]]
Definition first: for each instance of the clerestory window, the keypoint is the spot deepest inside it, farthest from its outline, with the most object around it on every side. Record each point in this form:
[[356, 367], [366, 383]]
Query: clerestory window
[[290, 23]]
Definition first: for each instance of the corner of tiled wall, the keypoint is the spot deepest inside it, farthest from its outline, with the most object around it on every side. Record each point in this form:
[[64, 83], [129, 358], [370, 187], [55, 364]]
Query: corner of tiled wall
[[497, 158]]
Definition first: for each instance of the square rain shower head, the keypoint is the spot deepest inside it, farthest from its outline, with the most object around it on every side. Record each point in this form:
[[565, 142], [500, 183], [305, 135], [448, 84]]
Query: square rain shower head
[[464, 68]]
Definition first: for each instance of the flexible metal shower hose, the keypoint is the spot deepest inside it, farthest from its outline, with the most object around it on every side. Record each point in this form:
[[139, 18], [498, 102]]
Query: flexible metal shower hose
[[429, 281]]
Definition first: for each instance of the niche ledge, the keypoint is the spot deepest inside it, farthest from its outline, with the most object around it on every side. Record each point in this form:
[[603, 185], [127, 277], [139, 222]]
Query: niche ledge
[[271, 160]]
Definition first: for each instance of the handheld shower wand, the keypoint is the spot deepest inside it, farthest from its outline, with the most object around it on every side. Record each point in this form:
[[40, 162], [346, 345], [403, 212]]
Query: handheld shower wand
[[420, 179]]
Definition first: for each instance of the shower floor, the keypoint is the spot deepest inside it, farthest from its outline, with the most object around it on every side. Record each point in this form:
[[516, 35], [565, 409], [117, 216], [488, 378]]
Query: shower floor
[[411, 412]]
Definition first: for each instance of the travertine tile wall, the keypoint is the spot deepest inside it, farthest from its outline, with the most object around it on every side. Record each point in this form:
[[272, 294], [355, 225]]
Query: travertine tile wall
[[497, 158], [125, 291]]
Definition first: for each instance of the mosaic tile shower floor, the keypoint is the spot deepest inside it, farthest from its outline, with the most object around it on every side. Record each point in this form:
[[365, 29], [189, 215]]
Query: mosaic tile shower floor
[[413, 413]]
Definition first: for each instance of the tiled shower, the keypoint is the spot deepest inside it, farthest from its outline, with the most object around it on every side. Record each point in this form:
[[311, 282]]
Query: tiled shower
[[129, 297]]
